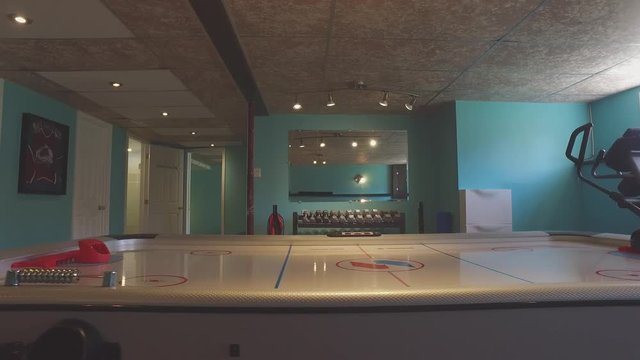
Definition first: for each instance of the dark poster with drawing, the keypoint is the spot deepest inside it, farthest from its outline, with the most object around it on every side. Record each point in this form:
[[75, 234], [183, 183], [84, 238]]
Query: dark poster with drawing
[[44, 150]]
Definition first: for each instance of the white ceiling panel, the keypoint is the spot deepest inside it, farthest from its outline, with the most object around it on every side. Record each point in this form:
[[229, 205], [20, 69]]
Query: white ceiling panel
[[135, 80], [61, 19], [155, 112], [143, 98]]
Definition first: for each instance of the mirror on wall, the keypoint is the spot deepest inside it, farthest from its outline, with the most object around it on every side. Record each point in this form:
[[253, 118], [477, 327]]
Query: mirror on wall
[[347, 165]]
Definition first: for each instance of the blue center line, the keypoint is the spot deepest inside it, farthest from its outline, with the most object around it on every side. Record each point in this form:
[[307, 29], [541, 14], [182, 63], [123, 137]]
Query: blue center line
[[284, 266], [476, 264]]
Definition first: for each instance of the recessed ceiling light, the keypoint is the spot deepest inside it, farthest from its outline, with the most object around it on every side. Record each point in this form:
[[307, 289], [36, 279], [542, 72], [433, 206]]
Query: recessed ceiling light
[[289, 145], [212, 145], [129, 149], [354, 143], [322, 143], [193, 133], [20, 19], [324, 162], [315, 161], [115, 84], [164, 113], [373, 142]]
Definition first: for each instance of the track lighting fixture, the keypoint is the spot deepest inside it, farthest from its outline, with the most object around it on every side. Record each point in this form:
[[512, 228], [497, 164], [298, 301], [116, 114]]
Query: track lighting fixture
[[330, 101], [373, 142], [385, 99], [412, 101], [358, 86], [297, 105], [322, 143], [301, 144]]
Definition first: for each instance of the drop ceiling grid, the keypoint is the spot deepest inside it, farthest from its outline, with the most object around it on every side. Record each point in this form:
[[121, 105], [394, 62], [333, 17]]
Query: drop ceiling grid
[[435, 42]]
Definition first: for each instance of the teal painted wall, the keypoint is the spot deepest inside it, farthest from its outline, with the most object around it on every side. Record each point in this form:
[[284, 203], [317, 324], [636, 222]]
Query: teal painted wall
[[271, 156], [118, 183], [235, 201], [611, 117], [205, 199], [520, 146], [439, 163], [339, 178], [27, 219]]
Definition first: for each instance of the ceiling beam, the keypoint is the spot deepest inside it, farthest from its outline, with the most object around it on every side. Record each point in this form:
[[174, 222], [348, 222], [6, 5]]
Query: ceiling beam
[[217, 24]]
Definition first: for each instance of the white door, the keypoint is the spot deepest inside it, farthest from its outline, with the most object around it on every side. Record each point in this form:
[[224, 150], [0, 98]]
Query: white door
[[91, 177], [165, 201]]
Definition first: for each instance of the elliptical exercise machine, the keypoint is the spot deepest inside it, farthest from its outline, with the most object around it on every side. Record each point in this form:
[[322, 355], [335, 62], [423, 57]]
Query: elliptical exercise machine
[[623, 157]]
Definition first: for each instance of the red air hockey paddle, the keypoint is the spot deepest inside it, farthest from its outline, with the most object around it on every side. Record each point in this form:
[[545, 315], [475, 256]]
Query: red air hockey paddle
[[91, 251]]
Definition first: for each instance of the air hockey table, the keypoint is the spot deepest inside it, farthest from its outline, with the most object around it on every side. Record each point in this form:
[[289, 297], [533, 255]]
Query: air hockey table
[[530, 295]]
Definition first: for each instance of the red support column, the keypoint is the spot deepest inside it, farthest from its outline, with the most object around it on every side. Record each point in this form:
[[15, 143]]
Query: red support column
[[250, 141]]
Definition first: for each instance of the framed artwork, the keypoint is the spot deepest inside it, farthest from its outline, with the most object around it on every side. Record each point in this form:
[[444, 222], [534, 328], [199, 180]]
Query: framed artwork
[[44, 151]]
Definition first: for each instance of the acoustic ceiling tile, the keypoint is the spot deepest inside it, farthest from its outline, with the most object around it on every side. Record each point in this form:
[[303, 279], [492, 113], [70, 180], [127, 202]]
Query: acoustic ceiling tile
[[153, 112], [143, 98], [131, 80], [579, 21], [391, 55], [156, 18], [280, 17], [75, 54]]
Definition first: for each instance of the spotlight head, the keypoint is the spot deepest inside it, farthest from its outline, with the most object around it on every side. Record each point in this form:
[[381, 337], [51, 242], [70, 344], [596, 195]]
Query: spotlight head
[[360, 179], [193, 133], [373, 142], [385, 99], [330, 101], [354, 143], [212, 145], [412, 101], [301, 145], [324, 162], [115, 84], [315, 162], [297, 105], [322, 143], [164, 113]]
